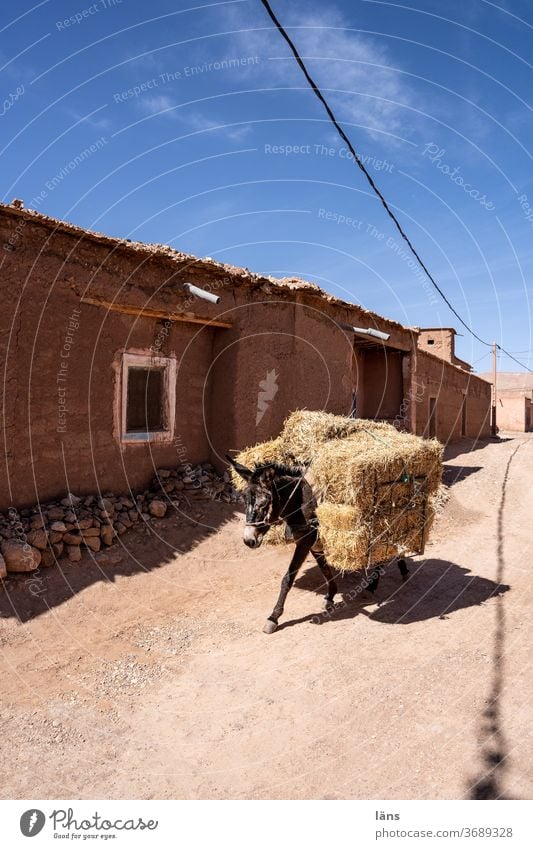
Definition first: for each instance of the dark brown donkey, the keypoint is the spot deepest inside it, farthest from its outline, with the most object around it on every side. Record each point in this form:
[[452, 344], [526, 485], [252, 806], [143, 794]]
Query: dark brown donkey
[[273, 493]]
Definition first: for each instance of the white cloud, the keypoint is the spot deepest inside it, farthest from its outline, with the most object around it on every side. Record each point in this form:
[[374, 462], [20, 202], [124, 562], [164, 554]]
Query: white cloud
[[198, 121], [370, 90], [373, 93], [356, 72], [155, 104], [94, 120], [192, 120]]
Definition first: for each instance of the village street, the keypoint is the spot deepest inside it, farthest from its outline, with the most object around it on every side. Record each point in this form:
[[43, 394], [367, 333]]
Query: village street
[[151, 677]]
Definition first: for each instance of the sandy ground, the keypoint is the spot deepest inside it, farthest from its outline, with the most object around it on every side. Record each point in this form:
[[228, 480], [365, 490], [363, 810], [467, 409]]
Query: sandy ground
[[151, 678]]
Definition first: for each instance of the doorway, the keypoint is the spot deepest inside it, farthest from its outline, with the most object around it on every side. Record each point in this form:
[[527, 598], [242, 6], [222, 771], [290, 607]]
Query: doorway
[[378, 382], [432, 422], [463, 416]]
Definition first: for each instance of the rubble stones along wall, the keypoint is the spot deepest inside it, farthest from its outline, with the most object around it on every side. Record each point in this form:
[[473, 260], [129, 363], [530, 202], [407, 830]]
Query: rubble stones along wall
[[40, 536]]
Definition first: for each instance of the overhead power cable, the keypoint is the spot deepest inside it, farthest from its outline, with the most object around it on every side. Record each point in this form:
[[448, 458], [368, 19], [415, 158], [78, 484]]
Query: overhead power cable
[[507, 354], [373, 185]]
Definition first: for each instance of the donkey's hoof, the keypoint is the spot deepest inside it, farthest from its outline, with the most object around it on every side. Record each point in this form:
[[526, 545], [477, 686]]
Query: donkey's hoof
[[404, 571], [270, 627], [329, 605]]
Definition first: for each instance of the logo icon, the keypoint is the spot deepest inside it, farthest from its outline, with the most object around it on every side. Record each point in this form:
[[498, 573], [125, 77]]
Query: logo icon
[[32, 822], [268, 391]]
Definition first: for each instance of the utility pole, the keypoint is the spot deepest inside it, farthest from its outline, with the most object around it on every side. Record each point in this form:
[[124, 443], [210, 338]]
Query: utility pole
[[493, 427]]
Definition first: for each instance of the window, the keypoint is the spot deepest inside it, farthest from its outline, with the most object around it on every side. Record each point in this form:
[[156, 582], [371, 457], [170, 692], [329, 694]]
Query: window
[[148, 398], [431, 341], [144, 403]]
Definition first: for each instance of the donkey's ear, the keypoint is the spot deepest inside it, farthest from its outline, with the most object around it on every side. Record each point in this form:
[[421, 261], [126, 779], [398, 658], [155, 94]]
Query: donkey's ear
[[239, 468], [268, 474]]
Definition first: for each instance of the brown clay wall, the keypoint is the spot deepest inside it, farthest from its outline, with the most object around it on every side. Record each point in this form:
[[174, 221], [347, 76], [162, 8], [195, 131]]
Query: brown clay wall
[[438, 379], [83, 455], [512, 412], [440, 341], [515, 381], [437, 341], [234, 386], [295, 338], [280, 355]]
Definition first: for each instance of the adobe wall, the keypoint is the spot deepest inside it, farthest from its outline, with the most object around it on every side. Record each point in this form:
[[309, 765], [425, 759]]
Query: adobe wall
[[44, 455], [512, 412], [515, 381], [437, 341], [440, 341], [234, 386], [284, 352], [280, 355], [438, 379]]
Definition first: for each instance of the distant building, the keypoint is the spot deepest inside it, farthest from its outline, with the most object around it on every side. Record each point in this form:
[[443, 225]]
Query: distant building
[[514, 400], [440, 341]]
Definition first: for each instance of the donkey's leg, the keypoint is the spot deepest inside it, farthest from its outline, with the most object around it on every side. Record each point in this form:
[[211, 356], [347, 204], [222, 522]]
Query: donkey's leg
[[325, 568], [374, 581], [402, 566], [300, 553]]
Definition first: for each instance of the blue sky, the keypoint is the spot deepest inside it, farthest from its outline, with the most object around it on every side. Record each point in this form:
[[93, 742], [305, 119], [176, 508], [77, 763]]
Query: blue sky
[[199, 131]]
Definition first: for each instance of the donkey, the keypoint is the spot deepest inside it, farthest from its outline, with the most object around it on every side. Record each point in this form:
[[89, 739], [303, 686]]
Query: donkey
[[275, 493], [278, 492]]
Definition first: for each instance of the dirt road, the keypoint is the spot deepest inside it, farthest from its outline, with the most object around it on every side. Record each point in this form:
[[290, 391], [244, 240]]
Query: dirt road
[[151, 678]]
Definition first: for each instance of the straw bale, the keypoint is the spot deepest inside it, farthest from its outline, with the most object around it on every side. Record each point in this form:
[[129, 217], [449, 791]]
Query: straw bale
[[350, 544], [276, 535], [364, 476], [264, 452], [347, 470]]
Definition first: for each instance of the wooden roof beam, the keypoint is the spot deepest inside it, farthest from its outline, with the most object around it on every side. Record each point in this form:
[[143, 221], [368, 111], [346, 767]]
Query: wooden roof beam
[[149, 312]]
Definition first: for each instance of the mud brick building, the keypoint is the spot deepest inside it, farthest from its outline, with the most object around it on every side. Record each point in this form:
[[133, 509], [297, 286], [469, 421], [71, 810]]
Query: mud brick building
[[514, 400], [111, 367], [441, 342]]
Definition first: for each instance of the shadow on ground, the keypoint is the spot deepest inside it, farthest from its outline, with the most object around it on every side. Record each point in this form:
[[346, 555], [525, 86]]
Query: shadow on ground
[[434, 590], [466, 446], [488, 783], [142, 549], [455, 474]]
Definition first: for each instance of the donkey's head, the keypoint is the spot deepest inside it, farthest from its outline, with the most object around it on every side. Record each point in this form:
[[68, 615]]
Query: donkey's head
[[260, 499]]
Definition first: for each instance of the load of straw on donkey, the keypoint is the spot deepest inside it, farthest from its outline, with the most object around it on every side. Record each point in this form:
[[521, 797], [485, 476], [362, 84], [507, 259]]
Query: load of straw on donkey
[[354, 493]]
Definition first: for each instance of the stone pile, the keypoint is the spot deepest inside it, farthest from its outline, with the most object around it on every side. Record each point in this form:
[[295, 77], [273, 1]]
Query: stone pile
[[30, 538], [195, 482]]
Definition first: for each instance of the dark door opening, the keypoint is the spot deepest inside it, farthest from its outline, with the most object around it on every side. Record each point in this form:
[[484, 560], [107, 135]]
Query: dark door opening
[[432, 423], [463, 416], [377, 383]]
